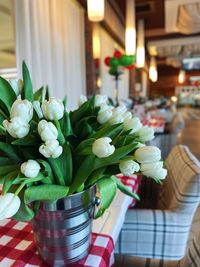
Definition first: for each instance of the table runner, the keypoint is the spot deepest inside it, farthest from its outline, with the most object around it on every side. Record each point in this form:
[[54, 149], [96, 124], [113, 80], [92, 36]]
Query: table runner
[[18, 248]]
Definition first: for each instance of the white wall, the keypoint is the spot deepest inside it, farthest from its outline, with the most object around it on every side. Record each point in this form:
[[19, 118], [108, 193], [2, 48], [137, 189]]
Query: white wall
[[108, 46], [50, 38]]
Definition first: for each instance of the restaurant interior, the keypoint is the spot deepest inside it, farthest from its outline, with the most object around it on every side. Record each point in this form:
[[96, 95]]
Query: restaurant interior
[[144, 56]]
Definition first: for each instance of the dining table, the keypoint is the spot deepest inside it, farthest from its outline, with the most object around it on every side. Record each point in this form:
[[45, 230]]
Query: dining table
[[18, 248]]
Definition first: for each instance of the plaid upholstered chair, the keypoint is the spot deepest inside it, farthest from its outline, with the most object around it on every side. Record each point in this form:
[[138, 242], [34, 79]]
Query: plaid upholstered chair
[[191, 259], [162, 232]]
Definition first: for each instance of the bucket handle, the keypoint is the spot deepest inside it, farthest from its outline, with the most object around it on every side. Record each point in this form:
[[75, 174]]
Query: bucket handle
[[96, 203]]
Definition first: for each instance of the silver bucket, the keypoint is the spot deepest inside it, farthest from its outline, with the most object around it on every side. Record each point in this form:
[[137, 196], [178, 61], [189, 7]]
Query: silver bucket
[[62, 229]]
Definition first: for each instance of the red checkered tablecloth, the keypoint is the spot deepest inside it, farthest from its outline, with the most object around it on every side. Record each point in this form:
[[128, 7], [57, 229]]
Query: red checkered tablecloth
[[18, 249], [133, 182]]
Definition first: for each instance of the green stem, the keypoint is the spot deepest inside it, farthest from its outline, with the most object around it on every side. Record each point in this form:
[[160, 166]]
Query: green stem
[[61, 137], [3, 114], [20, 188]]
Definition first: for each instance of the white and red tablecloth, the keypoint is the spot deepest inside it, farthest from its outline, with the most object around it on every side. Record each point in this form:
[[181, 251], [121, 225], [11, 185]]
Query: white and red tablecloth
[[18, 249], [155, 122]]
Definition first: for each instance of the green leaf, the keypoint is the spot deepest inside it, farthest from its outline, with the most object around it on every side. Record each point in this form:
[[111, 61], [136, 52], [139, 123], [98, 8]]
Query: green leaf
[[9, 180], [92, 163], [65, 102], [7, 95], [124, 189], [27, 92], [107, 188], [86, 168], [66, 125], [37, 96], [95, 176], [62, 166], [85, 147], [29, 140], [45, 193], [47, 171], [108, 130], [8, 168], [5, 161], [80, 112], [24, 214], [9, 151]]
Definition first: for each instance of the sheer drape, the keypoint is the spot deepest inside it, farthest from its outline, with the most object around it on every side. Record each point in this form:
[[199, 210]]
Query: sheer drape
[[108, 84], [50, 38]]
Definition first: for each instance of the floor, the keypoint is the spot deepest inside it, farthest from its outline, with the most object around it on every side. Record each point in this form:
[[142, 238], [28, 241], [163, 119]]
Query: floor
[[189, 136]]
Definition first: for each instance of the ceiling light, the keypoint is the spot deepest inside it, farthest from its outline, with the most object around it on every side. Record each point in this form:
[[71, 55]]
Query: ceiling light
[[140, 53], [153, 73], [95, 10], [181, 76], [130, 32]]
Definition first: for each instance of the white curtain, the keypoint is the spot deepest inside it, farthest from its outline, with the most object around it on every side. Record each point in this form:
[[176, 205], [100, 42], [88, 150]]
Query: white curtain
[[50, 38], [108, 47]]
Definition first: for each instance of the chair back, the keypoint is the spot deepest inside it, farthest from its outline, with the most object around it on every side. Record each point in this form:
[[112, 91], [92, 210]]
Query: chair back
[[181, 188]]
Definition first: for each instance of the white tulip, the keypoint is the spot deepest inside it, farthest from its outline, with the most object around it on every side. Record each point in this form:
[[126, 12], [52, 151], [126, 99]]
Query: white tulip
[[133, 124], [82, 100], [30, 168], [37, 108], [100, 99], [127, 115], [116, 119], [104, 114], [23, 109], [128, 167], [17, 127], [16, 85], [9, 205], [102, 148], [47, 130], [51, 149], [53, 109], [148, 154], [145, 134], [151, 165], [154, 170], [120, 110]]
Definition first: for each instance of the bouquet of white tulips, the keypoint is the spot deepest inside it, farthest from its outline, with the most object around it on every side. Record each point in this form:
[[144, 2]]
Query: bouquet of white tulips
[[47, 153]]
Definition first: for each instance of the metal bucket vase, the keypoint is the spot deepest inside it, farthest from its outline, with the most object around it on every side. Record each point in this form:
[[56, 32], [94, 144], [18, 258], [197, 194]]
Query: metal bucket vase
[[62, 229]]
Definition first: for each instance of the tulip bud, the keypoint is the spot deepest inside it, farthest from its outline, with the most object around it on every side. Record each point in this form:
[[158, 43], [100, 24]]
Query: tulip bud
[[148, 154], [104, 114], [128, 167], [47, 130], [30, 168], [145, 134], [23, 109], [154, 170], [9, 205], [53, 109], [133, 124], [17, 127], [51, 149], [100, 99], [37, 108], [16, 85], [102, 148], [82, 100]]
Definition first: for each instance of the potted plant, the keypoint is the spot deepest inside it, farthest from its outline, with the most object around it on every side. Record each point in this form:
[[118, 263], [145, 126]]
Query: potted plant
[[52, 162]]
